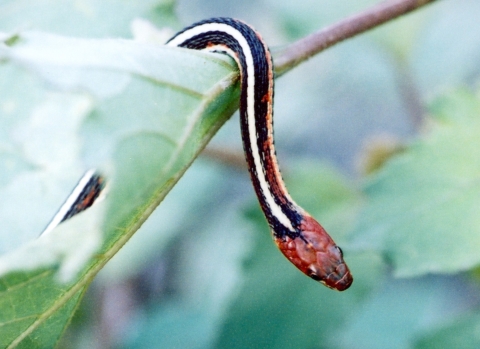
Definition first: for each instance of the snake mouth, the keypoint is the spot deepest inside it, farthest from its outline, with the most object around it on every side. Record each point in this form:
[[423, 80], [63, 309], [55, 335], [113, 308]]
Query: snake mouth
[[324, 283], [339, 281]]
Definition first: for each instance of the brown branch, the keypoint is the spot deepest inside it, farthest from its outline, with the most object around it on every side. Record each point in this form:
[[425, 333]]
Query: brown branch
[[378, 14], [232, 158], [410, 95]]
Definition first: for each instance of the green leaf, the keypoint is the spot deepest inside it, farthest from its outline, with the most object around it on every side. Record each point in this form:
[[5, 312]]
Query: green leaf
[[85, 18], [463, 333], [423, 207], [401, 310], [141, 113], [40, 331]]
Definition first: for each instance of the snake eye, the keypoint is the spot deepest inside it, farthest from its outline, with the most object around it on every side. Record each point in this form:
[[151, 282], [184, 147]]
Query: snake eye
[[340, 250], [311, 273]]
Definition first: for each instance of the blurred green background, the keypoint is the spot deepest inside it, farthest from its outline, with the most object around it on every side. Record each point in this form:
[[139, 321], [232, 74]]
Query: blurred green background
[[203, 272]]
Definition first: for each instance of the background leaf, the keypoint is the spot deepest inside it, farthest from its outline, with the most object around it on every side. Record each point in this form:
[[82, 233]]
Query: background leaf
[[460, 333], [86, 18], [410, 200]]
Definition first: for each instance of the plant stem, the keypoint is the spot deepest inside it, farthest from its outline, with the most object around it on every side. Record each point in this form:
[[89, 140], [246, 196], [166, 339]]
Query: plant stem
[[229, 157], [307, 47]]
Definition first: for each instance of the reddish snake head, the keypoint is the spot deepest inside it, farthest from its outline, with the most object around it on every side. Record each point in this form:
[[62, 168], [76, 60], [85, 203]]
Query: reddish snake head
[[315, 253]]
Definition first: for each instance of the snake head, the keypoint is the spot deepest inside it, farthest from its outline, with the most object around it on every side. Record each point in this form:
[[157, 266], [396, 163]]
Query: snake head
[[315, 253]]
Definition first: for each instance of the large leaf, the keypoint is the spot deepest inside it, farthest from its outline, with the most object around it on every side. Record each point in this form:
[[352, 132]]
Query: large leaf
[[399, 311], [424, 208], [462, 333], [84, 18], [144, 112]]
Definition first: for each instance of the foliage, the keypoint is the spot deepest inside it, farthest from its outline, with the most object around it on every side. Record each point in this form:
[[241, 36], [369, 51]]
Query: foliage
[[72, 98]]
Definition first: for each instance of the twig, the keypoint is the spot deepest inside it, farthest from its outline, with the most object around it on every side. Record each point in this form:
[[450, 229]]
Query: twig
[[410, 95], [305, 48], [232, 158]]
